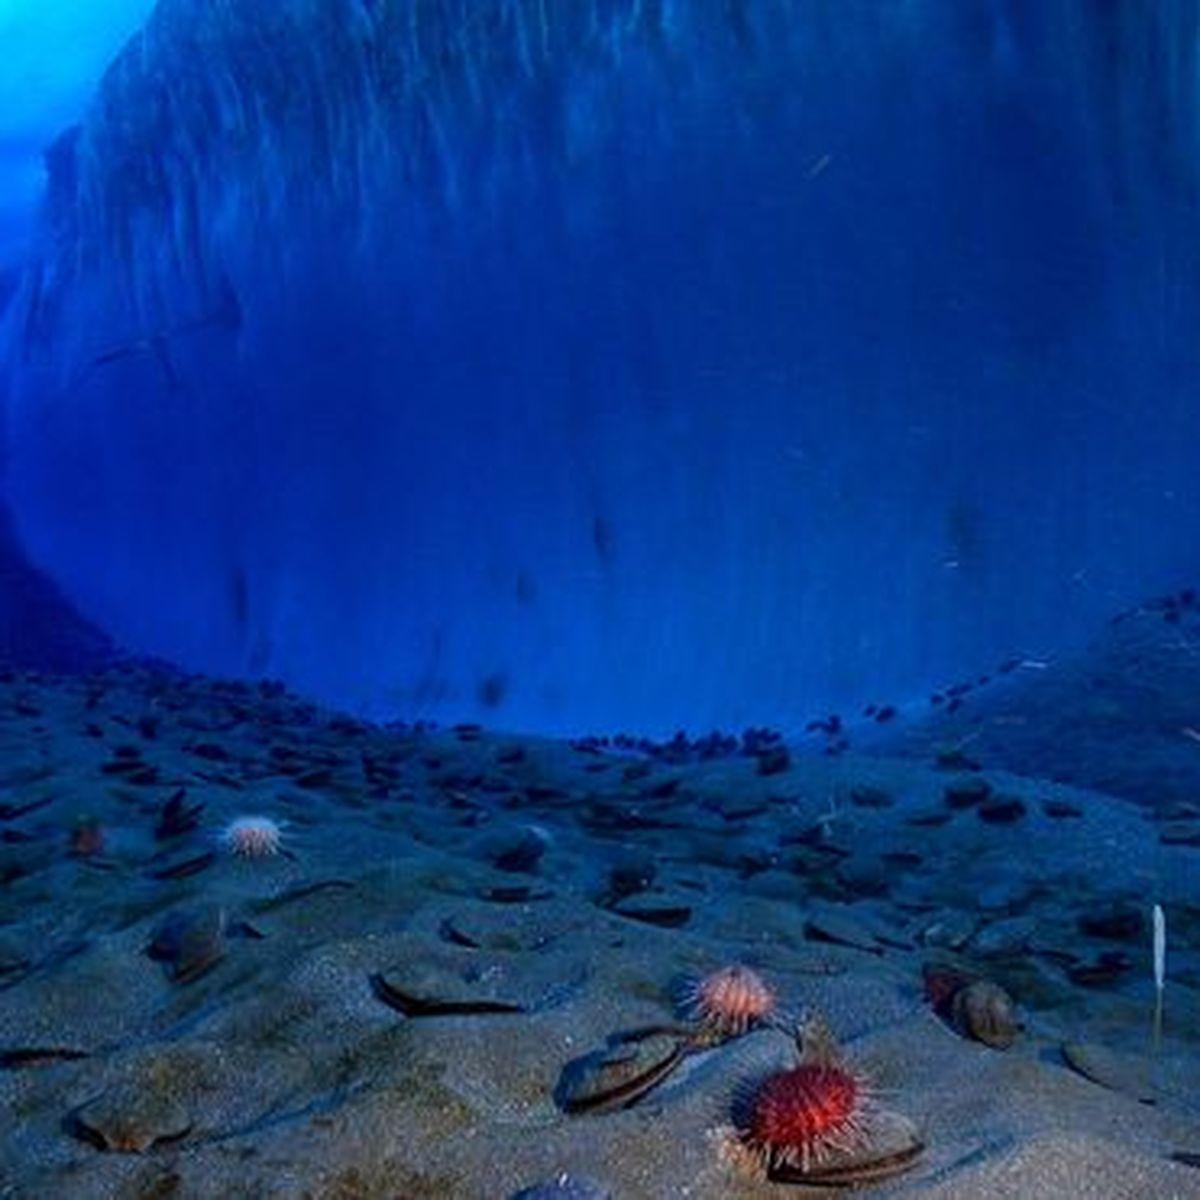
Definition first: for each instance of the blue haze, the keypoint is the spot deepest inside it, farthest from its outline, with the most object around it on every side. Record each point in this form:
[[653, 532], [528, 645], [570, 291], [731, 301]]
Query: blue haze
[[614, 363], [54, 52]]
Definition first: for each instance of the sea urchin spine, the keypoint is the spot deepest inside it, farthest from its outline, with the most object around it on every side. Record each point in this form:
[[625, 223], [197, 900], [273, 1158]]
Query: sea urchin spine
[[252, 837], [730, 1001], [796, 1119]]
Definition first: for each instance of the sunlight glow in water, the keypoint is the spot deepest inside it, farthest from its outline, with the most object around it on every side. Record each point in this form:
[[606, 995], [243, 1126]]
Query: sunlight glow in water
[[54, 54]]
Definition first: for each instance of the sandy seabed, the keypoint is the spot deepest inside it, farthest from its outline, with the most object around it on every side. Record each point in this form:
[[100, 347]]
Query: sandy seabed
[[423, 994]]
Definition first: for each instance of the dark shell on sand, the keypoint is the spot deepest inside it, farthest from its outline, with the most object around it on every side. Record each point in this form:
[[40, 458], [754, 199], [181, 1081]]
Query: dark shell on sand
[[20, 1057], [664, 915], [189, 942], [426, 990], [184, 866], [985, 1012], [618, 1076], [890, 1146]]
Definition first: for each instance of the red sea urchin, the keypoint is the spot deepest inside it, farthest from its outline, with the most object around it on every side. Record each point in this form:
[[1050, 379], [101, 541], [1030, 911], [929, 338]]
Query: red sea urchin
[[796, 1119]]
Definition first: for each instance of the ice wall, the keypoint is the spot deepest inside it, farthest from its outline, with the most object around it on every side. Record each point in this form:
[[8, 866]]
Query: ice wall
[[617, 362], [52, 53]]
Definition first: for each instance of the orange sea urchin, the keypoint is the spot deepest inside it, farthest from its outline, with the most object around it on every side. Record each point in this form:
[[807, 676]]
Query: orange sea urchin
[[730, 1001]]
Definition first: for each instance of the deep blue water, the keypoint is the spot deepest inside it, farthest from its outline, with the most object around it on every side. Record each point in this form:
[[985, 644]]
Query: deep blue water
[[616, 363]]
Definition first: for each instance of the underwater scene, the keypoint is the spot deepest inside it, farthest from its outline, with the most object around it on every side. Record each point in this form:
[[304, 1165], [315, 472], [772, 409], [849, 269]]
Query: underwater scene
[[599, 599]]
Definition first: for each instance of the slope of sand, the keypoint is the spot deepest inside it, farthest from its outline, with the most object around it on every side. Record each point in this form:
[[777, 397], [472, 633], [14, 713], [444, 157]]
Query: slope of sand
[[535, 898]]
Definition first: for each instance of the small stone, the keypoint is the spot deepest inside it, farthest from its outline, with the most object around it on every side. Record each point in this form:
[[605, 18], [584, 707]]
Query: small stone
[[966, 791], [1002, 810]]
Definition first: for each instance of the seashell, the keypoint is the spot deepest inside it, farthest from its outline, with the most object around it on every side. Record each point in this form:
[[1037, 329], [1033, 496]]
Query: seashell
[[890, 1145], [37, 1056], [176, 817], [514, 895], [429, 992], [189, 942], [621, 1074], [985, 1012], [649, 911]]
